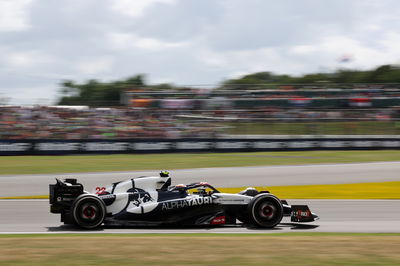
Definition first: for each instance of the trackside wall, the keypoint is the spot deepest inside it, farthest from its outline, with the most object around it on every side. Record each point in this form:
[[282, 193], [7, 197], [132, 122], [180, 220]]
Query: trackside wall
[[106, 146]]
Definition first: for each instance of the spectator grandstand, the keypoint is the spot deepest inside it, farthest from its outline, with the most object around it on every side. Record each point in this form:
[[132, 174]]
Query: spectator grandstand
[[188, 113], [343, 96]]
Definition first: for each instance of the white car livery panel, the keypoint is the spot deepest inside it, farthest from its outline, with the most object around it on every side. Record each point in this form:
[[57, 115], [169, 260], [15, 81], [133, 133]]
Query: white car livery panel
[[137, 195], [231, 199]]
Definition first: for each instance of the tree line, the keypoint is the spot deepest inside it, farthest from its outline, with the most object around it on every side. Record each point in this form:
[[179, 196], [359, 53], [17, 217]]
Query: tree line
[[97, 93]]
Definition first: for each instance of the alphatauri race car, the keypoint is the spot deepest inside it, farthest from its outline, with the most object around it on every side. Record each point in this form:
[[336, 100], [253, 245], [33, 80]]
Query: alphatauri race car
[[151, 200]]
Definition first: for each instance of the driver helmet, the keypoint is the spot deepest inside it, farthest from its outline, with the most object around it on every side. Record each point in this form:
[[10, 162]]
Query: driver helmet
[[164, 173]]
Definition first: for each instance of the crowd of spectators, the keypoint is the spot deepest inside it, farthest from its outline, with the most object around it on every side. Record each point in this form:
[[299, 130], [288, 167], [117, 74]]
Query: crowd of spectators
[[42, 122], [82, 122]]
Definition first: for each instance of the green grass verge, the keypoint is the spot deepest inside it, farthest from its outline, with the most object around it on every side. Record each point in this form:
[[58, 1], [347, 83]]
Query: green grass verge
[[378, 190], [205, 249], [128, 162], [314, 128]]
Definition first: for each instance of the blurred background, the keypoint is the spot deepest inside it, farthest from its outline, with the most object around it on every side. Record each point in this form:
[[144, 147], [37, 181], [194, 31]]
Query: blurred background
[[213, 69], [248, 106]]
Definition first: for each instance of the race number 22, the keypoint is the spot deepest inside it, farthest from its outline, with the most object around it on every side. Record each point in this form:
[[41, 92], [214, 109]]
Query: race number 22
[[100, 190]]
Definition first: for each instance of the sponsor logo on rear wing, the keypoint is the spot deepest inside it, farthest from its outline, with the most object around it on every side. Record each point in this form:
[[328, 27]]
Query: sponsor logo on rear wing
[[301, 214]]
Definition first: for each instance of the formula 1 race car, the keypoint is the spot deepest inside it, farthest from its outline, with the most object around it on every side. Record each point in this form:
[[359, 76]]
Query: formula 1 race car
[[153, 201]]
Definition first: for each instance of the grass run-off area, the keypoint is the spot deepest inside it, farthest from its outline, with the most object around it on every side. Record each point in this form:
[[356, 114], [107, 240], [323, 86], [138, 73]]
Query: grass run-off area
[[314, 128], [379, 190], [126, 162], [201, 249]]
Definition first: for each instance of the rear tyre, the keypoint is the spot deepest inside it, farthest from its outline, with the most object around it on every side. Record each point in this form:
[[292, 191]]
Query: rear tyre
[[88, 211], [265, 210]]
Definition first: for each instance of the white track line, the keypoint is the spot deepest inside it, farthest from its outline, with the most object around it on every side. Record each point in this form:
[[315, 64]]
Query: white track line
[[355, 200]]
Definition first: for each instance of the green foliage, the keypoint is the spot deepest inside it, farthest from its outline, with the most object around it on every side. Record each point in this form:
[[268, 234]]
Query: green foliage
[[382, 74], [257, 80], [13, 165], [96, 93]]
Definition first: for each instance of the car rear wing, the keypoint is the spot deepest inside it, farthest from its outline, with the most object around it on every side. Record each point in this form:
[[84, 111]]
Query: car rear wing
[[63, 193]]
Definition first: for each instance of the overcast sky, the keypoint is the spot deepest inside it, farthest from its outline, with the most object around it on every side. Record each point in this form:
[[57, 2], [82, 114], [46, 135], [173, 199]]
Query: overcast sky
[[186, 41]]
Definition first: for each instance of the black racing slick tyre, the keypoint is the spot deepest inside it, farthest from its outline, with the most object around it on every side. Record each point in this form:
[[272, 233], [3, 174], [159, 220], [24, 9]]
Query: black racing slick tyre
[[265, 210], [88, 211]]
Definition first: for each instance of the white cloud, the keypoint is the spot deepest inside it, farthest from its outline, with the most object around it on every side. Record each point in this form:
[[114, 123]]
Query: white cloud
[[391, 44], [364, 56], [302, 49], [301, 59], [14, 15], [44, 95], [26, 59], [136, 8], [120, 40], [94, 65], [162, 80], [248, 61], [187, 41]]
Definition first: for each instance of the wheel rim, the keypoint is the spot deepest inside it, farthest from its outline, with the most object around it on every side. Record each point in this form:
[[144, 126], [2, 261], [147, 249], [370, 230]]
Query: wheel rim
[[267, 211], [89, 212]]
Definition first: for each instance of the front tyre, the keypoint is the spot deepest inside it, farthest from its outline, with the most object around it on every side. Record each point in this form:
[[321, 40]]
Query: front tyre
[[88, 211], [265, 210]]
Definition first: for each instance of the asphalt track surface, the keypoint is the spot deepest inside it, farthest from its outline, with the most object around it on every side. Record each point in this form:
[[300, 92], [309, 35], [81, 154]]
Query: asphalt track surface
[[33, 216], [379, 216], [19, 185]]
